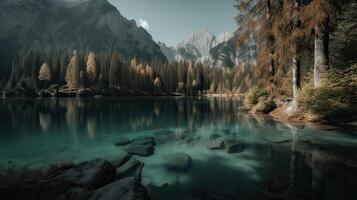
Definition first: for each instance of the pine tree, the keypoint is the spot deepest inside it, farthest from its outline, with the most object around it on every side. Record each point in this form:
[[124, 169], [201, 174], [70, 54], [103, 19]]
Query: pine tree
[[45, 74], [91, 68]]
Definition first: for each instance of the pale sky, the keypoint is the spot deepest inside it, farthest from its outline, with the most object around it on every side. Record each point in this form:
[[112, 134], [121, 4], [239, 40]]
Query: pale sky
[[171, 21]]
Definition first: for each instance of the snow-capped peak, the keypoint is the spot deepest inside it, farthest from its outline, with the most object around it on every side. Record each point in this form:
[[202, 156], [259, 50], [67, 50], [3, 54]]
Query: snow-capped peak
[[224, 37]]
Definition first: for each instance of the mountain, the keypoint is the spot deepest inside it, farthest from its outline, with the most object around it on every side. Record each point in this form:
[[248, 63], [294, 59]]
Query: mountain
[[169, 52], [206, 48], [45, 25]]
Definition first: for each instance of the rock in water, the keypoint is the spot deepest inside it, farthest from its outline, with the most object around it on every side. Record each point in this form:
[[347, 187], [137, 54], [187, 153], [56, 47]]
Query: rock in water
[[141, 150], [178, 162], [122, 141], [125, 189], [120, 159], [235, 147], [91, 174], [215, 144], [144, 141], [214, 136], [132, 168]]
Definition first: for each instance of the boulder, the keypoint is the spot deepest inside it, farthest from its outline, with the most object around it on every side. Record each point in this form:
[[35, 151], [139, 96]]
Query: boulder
[[141, 150], [234, 146], [122, 141], [125, 189], [215, 144], [120, 159], [144, 141], [144, 137], [178, 162], [75, 193], [43, 189], [91, 174], [131, 168], [214, 136]]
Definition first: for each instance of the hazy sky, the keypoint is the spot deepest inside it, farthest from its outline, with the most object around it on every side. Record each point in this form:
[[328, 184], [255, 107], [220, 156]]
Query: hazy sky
[[171, 21]]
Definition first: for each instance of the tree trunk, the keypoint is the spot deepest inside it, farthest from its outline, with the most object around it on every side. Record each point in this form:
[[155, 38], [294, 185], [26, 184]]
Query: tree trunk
[[321, 61], [296, 57], [270, 40], [296, 76]]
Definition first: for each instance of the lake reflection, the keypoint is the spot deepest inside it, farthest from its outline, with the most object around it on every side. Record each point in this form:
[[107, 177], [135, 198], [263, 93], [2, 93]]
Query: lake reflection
[[313, 163]]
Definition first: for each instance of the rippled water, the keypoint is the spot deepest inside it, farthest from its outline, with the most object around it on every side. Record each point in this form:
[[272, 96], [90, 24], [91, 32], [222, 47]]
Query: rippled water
[[320, 161]]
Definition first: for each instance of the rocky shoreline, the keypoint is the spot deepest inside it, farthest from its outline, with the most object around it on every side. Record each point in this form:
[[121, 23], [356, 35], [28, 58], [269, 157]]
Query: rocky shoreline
[[111, 178]]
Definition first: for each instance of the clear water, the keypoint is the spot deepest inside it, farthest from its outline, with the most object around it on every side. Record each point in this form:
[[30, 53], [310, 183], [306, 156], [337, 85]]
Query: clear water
[[322, 161]]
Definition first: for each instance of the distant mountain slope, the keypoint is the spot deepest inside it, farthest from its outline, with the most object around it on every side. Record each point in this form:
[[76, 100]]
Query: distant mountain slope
[[45, 25], [169, 52], [206, 48]]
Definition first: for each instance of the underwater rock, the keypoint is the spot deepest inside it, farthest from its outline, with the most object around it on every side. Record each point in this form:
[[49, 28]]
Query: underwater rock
[[189, 139], [91, 174], [125, 189], [214, 136], [215, 144], [234, 146], [163, 132], [178, 162], [75, 193], [132, 168], [141, 150], [144, 141], [122, 141], [120, 159], [144, 137]]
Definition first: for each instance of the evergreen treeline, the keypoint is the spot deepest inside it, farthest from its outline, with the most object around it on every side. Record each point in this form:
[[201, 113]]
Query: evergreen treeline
[[101, 71]]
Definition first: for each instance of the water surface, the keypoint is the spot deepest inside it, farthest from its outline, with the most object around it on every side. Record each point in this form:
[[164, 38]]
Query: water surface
[[321, 162]]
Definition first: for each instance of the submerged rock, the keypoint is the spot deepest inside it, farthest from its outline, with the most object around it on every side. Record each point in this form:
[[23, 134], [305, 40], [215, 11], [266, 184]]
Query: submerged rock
[[214, 136], [132, 168], [143, 141], [144, 137], [215, 144], [178, 162], [120, 159], [91, 174], [75, 193], [122, 141], [141, 150], [163, 132], [125, 189], [234, 146]]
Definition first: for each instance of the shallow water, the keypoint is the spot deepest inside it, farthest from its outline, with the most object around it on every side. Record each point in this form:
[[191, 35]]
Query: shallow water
[[319, 161]]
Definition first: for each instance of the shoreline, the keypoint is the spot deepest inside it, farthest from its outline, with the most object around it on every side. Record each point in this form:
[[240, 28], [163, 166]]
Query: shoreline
[[300, 119]]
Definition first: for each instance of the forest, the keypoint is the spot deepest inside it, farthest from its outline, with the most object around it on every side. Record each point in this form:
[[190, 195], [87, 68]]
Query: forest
[[303, 51]]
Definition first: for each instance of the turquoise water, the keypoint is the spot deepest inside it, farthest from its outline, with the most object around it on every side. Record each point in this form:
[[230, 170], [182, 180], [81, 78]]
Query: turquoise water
[[320, 161]]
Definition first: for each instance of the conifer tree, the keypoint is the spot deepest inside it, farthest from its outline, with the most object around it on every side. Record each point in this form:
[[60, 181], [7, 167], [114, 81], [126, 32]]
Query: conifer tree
[[45, 74]]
